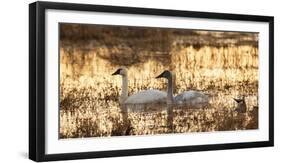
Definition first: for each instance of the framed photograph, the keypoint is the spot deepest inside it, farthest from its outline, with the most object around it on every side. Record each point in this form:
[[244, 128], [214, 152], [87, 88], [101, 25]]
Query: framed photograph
[[108, 81]]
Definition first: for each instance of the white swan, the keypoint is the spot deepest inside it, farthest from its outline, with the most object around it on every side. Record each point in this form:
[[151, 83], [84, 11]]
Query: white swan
[[142, 97], [190, 98]]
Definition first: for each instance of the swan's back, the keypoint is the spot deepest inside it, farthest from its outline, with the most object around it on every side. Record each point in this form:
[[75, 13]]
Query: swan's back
[[146, 97], [192, 98]]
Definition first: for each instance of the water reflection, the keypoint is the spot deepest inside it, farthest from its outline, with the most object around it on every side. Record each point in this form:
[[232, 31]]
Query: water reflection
[[159, 108]]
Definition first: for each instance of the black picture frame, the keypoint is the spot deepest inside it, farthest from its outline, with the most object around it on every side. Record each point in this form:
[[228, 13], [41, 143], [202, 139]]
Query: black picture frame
[[37, 80]]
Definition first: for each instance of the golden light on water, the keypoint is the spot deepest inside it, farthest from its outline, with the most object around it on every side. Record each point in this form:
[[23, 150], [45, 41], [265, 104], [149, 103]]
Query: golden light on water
[[89, 94]]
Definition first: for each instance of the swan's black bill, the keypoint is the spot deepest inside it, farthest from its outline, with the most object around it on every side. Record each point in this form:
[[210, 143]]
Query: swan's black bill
[[159, 76], [117, 72], [238, 100], [163, 74]]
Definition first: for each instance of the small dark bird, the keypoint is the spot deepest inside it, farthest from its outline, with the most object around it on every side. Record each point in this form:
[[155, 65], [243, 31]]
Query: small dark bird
[[241, 105]]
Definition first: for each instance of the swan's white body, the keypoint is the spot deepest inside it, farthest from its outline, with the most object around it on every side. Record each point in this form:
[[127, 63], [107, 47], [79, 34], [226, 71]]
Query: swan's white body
[[188, 98], [142, 97], [146, 97], [192, 98]]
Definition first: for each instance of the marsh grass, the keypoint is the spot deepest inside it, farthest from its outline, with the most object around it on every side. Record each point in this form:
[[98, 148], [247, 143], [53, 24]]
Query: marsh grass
[[89, 104], [89, 93]]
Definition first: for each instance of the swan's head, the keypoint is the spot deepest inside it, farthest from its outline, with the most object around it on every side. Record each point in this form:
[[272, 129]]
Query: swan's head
[[165, 74], [121, 71], [240, 100]]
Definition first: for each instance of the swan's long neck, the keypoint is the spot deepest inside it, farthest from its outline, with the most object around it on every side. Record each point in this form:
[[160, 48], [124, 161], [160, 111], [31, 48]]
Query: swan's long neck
[[124, 91], [170, 97]]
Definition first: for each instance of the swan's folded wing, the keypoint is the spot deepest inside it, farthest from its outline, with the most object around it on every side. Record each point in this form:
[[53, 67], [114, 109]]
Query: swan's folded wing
[[147, 96], [191, 97]]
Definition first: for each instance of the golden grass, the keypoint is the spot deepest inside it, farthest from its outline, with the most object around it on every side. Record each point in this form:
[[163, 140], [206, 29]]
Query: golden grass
[[89, 94]]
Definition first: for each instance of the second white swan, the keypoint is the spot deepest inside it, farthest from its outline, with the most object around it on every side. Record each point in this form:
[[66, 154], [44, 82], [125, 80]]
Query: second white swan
[[190, 98]]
